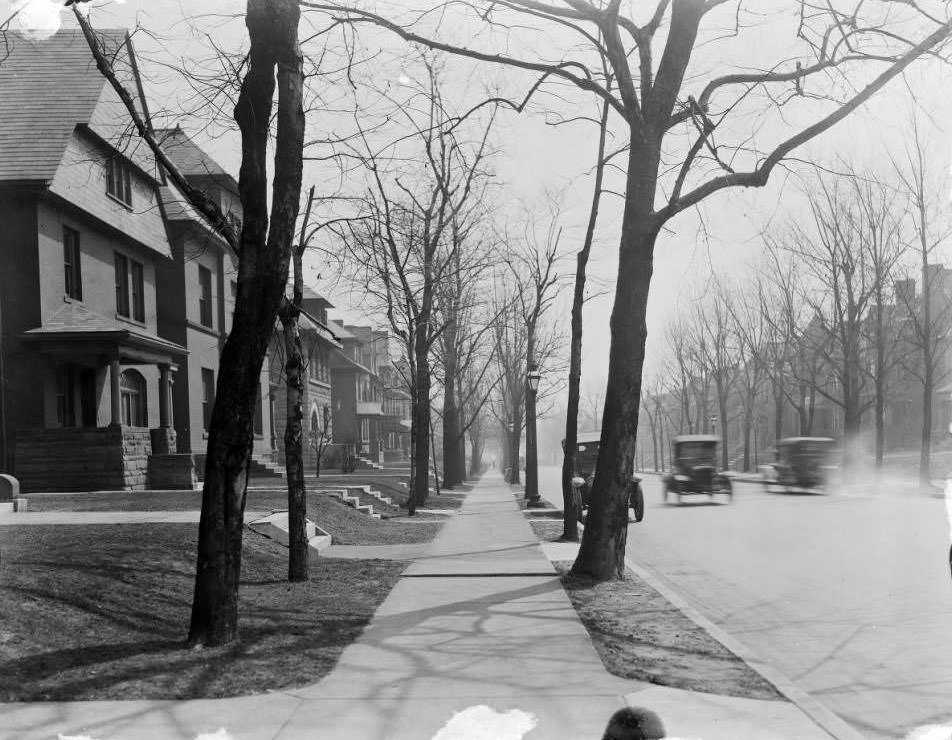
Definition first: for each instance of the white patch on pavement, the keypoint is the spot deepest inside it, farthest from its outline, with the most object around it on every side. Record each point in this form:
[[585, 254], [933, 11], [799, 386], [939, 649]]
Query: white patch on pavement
[[931, 732], [485, 723], [222, 734], [61, 736]]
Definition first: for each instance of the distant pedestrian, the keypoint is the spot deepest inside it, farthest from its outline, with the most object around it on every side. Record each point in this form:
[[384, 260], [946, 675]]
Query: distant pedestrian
[[634, 723]]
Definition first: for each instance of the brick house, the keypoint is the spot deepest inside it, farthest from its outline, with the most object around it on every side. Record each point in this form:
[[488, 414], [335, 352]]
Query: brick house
[[395, 424], [86, 374], [319, 342], [356, 391], [197, 296]]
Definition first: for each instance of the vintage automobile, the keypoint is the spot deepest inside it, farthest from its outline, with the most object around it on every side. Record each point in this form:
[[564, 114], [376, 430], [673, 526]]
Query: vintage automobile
[[694, 469], [802, 465], [586, 455]]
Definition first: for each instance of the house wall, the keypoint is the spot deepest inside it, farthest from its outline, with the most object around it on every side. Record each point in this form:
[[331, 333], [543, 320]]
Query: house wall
[[97, 263], [80, 180], [19, 311]]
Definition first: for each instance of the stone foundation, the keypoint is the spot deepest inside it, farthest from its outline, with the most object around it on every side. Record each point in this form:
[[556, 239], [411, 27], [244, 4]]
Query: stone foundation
[[174, 471], [109, 458]]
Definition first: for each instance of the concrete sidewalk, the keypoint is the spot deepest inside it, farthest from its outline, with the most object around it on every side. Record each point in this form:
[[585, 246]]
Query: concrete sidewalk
[[479, 619]]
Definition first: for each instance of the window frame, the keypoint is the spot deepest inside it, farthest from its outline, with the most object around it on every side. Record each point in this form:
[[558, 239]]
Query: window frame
[[72, 265], [208, 396], [205, 298], [130, 287], [119, 180], [133, 399]]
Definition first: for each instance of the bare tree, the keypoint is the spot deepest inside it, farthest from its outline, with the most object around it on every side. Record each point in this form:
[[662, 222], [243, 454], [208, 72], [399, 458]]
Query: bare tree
[[848, 255], [532, 264], [717, 355], [403, 246], [294, 374], [264, 249], [571, 496], [684, 145], [926, 187]]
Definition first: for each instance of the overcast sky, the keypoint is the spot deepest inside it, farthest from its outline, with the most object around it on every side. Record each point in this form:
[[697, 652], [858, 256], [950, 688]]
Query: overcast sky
[[536, 157]]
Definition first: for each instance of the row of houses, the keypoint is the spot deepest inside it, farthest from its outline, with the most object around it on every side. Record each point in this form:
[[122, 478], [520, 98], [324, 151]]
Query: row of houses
[[116, 296]]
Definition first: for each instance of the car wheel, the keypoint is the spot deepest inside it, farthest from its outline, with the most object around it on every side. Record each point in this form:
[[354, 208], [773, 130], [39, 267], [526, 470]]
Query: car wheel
[[638, 503]]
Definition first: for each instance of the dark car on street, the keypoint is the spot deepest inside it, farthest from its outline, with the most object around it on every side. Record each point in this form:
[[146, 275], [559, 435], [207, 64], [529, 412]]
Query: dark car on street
[[694, 469], [586, 455], [802, 465]]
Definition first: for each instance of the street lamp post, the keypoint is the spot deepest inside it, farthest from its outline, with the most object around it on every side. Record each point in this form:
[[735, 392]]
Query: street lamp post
[[532, 463], [713, 418], [511, 428]]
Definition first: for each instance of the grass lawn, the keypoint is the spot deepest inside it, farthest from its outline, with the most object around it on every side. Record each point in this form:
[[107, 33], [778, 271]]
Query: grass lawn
[[638, 634], [345, 525], [101, 612]]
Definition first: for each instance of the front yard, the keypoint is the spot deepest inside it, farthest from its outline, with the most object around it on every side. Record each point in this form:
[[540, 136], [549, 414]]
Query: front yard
[[101, 612]]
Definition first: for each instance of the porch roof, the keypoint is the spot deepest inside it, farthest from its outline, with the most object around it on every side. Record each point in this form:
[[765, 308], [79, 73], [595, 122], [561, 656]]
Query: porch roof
[[74, 328]]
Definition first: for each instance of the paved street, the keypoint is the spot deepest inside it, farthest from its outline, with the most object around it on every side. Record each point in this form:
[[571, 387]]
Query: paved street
[[848, 595]]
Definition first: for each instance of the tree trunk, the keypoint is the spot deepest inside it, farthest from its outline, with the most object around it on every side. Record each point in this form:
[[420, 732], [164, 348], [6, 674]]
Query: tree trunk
[[880, 400], [421, 420], [928, 367], [294, 445], [748, 426], [262, 274], [602, 553], [452, 473], [722, 410], [925, 449], [778, 411]]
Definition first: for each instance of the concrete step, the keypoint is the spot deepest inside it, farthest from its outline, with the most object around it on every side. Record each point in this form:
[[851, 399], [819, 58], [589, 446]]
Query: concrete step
[[352, 501]]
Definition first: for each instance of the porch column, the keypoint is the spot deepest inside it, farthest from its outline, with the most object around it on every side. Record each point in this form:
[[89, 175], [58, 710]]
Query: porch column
[[164, 383], [114, 391]]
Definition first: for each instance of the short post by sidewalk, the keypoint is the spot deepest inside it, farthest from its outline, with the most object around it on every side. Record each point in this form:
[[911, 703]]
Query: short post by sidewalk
[[533, 499]]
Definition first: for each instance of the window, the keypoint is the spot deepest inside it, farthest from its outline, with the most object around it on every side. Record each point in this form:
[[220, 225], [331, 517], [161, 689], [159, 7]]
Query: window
[[130, 299], [365, 430], [72, 271], [208, 396], [121, 263], [66, 396], [317, 365], [205, 298], [259, 418], [132, 399], [119, 180]]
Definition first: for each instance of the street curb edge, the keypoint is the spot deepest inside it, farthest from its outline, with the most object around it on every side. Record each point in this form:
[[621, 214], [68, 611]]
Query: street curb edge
[[821, 715]]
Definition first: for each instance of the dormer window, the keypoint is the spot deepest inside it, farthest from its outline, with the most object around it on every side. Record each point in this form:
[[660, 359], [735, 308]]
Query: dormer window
[[119, 180]]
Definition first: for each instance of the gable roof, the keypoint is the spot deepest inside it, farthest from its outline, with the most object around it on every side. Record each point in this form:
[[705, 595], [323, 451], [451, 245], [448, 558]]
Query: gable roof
[[192, 160], [48, 87]]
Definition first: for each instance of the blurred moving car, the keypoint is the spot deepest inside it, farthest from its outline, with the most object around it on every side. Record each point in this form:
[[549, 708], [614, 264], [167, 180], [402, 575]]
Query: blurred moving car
[[694, 468], [802, 465], [586, 456]]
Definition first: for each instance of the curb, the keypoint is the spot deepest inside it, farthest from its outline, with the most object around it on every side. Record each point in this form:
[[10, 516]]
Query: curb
[[830, 722]]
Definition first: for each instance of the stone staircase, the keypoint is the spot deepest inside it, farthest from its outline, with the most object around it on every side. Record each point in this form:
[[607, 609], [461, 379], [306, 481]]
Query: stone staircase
[[265, 467], [351, 497], [364, 463]]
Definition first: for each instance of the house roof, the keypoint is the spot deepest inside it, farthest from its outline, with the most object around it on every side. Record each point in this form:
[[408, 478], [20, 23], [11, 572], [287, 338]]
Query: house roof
[[312, 295], [191, 159], [339, 331], [321, 329], [48, 87]]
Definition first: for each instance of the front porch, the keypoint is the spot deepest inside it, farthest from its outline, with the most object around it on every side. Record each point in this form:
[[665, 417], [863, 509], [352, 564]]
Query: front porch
[[104, 382]]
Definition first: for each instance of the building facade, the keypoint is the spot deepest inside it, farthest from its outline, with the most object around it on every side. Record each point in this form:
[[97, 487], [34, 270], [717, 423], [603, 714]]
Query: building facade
[[86, 375]]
